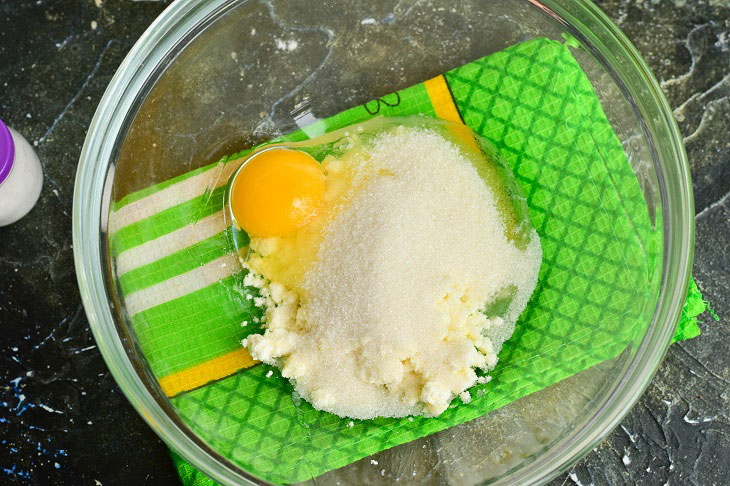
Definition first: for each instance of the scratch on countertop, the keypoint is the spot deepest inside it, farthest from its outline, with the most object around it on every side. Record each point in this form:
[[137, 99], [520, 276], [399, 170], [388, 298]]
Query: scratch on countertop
[[76, 96]]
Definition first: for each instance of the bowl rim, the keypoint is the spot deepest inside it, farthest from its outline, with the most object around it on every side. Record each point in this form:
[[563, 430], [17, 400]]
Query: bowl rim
[[91, 207]]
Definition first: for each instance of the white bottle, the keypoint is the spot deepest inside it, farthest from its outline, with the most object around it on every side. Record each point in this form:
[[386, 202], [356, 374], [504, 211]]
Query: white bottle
[[21, 176]]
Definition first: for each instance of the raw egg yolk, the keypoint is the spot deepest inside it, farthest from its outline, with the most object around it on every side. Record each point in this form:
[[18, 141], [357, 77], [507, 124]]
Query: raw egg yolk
[[277, 192]]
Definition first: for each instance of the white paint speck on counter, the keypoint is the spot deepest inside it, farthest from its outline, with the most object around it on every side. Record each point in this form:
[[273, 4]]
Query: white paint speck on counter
[[574, 478], [286, 45]]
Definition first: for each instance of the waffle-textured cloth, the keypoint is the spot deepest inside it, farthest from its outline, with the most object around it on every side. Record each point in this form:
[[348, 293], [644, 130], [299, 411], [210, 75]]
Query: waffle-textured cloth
[[183, 286]]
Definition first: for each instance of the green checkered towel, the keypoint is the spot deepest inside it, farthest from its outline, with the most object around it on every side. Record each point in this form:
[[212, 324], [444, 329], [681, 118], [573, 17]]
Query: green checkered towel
[[183, 287]]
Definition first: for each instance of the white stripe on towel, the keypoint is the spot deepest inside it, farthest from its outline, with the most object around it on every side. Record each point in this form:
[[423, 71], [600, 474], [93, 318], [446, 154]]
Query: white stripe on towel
[[168, 197], [170, 243], [182, 284]]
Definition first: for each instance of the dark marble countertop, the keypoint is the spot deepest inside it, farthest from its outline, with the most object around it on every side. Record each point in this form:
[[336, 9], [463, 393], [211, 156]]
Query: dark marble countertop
[[63, 420]]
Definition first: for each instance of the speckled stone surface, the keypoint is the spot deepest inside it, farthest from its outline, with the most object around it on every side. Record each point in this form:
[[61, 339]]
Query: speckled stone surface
[[64, 421]]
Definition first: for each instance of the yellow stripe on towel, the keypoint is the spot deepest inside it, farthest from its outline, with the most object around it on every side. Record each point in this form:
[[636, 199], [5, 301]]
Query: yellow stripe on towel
[[441, 99], [445, 108], [199, 375]]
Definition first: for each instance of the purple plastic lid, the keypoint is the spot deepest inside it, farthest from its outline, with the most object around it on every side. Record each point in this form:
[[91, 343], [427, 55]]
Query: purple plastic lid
[[7, 152]]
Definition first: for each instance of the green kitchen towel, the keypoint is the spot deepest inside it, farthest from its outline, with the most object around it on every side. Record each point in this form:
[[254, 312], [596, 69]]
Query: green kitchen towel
[[183, 288], [686, 329]]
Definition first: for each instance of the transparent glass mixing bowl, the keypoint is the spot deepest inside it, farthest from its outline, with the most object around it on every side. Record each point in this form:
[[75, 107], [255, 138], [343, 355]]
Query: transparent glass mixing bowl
[[181, 100]]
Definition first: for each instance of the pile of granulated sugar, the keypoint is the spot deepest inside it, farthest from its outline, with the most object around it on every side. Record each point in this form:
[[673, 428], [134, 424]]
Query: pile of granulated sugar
[[389, 321]]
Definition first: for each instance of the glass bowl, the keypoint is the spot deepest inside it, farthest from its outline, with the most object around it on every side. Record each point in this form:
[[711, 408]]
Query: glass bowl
[[209, 78]]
